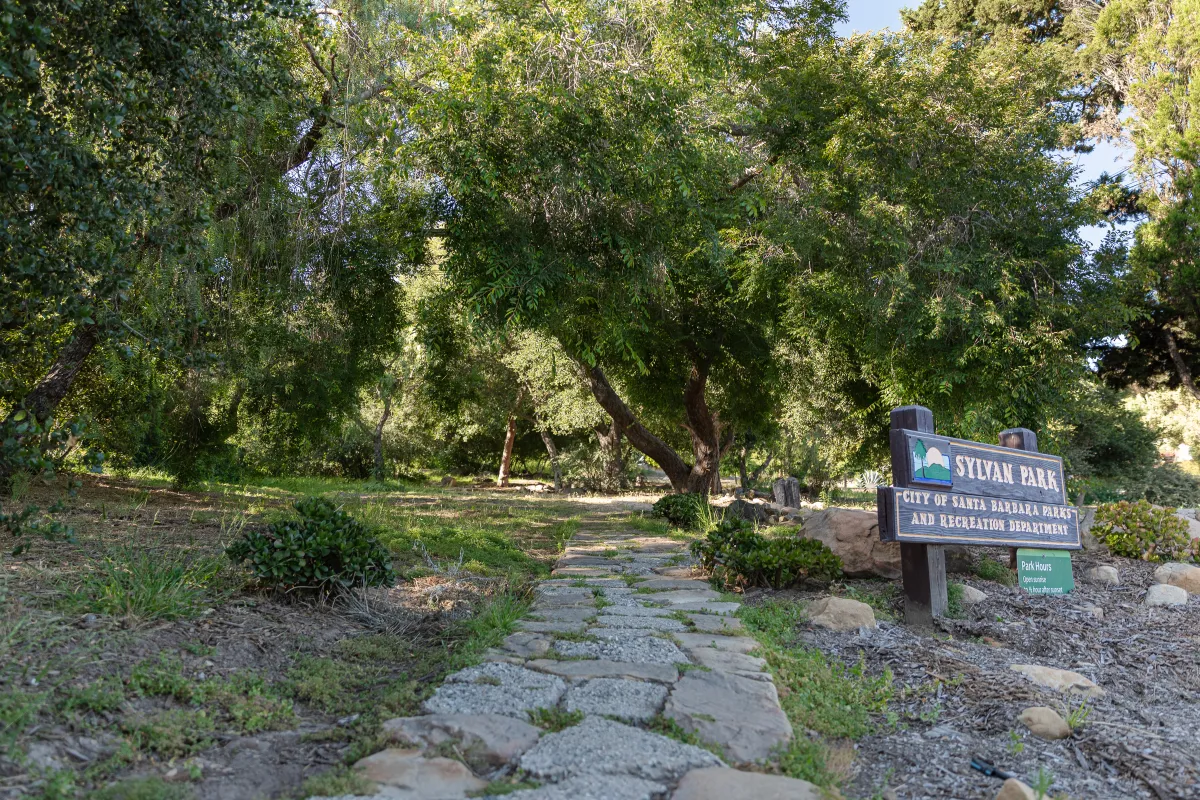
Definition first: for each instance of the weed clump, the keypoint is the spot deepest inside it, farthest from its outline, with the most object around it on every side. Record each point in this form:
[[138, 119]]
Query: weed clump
[[737, 556], [325, 548], [1139, 530]]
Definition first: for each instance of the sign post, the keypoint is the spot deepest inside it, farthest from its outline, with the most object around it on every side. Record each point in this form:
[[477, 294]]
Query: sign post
[[952, 491]]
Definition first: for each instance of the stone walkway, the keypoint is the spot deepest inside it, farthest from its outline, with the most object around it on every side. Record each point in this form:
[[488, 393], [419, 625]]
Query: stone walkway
[[624, 636]]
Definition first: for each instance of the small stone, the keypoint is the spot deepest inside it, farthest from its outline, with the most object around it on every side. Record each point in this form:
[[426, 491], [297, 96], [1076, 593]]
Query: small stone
[[1060, 680], [841, 614], [600, 746], [674, 583], [527, 644], [683, 596], [1013, 789], [417, 777], [1185, 576], [971, 595], [636, 649], [643, 622], [1165, 594], [726, 661], [722, 783], [1045, 723], [603, 668], [594, 787], [739, 715], [496, 688], [635, 701], [492, 738], [734, 644], [1103, 576], [712, 623]]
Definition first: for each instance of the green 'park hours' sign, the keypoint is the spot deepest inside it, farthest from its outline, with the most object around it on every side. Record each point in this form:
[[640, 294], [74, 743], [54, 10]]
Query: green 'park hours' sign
[[1044, 571]]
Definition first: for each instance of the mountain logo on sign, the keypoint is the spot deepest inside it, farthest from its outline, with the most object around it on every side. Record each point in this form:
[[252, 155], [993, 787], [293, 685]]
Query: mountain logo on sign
[[930, 464]]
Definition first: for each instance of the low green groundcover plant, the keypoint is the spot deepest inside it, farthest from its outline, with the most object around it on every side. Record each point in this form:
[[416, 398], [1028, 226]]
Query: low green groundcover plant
[[680, 510], [738, 556], [1140, 530], [324, 549]]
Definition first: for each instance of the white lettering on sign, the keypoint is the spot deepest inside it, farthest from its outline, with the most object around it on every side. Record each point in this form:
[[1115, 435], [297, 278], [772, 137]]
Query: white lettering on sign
[[983, 469], [1041, 478]]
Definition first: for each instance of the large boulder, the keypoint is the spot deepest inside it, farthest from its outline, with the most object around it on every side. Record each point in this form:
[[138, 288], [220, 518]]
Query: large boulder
[[853, 536], [1192, 517], [1185, 576], [755, 511]]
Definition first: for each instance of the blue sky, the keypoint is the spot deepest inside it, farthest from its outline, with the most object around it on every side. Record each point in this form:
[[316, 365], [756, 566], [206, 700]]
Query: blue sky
[[873, 15]]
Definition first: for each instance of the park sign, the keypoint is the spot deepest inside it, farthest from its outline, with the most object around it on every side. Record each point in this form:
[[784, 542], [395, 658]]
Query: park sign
[[952, 491]]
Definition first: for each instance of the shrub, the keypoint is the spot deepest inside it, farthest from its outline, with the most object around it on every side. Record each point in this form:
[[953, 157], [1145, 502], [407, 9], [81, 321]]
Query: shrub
[[1139, 530], [738, 556], [680, 510], [325, 548]]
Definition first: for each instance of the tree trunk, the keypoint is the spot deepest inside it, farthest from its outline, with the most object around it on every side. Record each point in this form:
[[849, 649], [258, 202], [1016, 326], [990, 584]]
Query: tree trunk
[[510, 438], [610, 446], [1185, 374], [637, 434], [378, 437], [552, 451], [743, 477], [705, 431], [754, 476], [44, 398]]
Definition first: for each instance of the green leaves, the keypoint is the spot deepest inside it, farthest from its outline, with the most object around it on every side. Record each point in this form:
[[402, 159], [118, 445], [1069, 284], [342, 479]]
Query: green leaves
[[326, 548]]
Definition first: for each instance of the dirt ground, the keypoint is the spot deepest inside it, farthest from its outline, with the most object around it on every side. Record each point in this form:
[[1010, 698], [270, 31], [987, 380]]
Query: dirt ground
[[250, 694], [957, 698]]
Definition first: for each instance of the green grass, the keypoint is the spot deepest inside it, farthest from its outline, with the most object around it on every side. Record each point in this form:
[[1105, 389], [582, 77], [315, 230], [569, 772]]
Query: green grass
[[954, 601], [555, 719], [880, 598], [340, 780], [145, 582], [665, 726], [171, 734], [142, 789], [990, 569], [830, 698]]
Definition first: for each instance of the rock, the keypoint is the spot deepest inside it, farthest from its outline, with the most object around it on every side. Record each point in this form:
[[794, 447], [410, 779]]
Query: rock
[[1060, 680], [971, 595], [958, 559], [726, 661], [678, 597], [602, 668], [673, 583], [853, 536], [1013, 789], [1192, 517], [786, 492], [712, 623], [739, 715], [640, 622], [417, 777], [733, 644], [1185, 576], [447, 481], [840, 614], [635, 701], [496, 688], [1103, 576], [594, 787], [1087, 518], [600, 746], [722, 783], [638, 611], [631, 648], [44, 755], [492, 738], [756, 512], [1045, 723], [527, 644], [1164, 594], [708, 608]]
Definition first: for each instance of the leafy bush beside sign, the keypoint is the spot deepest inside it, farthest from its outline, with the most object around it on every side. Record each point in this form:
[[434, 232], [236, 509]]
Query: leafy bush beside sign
[[1140, 530], [325, 548], [739, 556]]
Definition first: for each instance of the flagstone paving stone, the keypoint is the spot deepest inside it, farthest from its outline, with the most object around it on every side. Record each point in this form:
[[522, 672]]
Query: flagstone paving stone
[[593, 643]]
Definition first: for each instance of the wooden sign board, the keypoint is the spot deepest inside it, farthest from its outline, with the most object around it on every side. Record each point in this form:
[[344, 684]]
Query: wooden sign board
[[953, 491], [1044, 571]]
